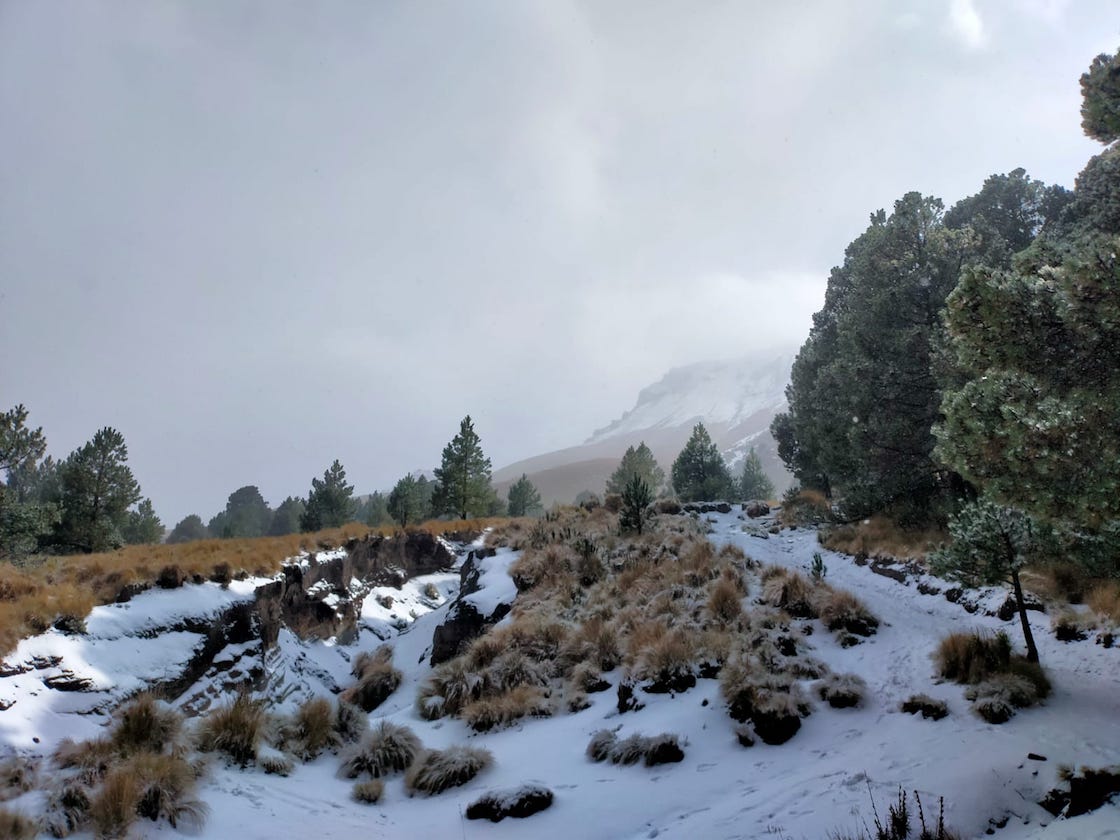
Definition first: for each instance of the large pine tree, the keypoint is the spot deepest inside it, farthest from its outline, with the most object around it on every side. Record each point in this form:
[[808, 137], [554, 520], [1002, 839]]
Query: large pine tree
[[98, 488], [700, 473], [463, 477], [330, 504]]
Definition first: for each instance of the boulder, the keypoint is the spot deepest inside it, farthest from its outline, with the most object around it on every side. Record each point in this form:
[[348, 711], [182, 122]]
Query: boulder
[[519, 802], [755, 509]]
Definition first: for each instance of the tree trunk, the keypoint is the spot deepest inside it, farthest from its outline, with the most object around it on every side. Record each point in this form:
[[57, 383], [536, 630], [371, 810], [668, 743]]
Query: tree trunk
[[1032, 651]]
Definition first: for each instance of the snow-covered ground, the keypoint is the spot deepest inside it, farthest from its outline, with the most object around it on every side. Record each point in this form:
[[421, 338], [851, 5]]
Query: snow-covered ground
[[816, 783]]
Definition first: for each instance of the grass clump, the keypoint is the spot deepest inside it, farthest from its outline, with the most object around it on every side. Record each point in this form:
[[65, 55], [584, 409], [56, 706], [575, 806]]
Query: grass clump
[[146, 725], [842, 691], [1000, 683], [1104, 599], [16, 826], [377, 679], [842, 611], [658, 749], [384, 750], [314, 729], [436, 771], [929, 707], [368, 792], [497, 712], [973, 657], [17, 776], [67, 809], [235, 729]]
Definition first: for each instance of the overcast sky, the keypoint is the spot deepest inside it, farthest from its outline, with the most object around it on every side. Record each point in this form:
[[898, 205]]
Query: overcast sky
[[258, 236]]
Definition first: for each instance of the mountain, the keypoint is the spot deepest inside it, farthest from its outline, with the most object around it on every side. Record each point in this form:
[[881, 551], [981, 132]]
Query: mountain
[[735, 399]]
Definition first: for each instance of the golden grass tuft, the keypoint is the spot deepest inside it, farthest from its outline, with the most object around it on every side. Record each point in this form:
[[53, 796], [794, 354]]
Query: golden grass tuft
[[725, 601], [500, 711], [17, 826], [315, 729], [368, 792], [389, 748], [436, 771], [235, 729], [145, 725], [377, 679], [881, 535], [973, 657], [1104, 599]]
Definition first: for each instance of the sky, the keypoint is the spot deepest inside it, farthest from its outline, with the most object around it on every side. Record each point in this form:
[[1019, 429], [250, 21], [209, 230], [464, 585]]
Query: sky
[[258, 236]]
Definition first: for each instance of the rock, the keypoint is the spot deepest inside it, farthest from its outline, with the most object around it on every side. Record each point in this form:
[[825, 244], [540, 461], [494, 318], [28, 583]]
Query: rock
[[1009, 609], [1106, 638], [675, 683], [775, 727], [1055, 801], [520, 802], [885, 568], [669, 507], [627, 702], [67, 681], [928, 588], [1036, 757], [755, 509], [664, 749], [464, 623], [1092, 789]]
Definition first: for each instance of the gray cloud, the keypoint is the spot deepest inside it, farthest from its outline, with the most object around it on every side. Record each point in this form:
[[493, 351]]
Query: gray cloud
[[259, 236]]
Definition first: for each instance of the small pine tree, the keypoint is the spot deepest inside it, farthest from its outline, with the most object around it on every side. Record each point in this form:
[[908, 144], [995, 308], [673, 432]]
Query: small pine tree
[[462, 484], [285, 519], [636, 499], [636, 462], [98, 488], [189, 528], [142, 526], [524, 500], [375, 511], [699, 473], [754, 483], [330, 503], [405, 502], [247, 514], [990, 545]]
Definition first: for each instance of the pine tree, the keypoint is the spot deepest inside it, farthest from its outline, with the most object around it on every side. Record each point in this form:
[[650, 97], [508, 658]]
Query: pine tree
[[462, 481], [188, 529], [142, 526], [29, 497], [636, 462], [636, 499], [375, 511], [97, 490], [699, 473], [285, 519], [406, 502], [754, 484], [1100, 91], [246, 514], [524, 500], [991, 544], [330, 503]]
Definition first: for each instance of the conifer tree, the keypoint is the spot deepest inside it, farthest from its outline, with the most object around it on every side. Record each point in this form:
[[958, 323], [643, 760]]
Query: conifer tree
[[754, 483], [636, 499], [524, 500], [97, 490], [462, 480], [188, 529], [406, 502], [375, 511], [142, 526], [636, 462], [29, 496], [330, 503], [699, 473], [285, 519], [246, 514]]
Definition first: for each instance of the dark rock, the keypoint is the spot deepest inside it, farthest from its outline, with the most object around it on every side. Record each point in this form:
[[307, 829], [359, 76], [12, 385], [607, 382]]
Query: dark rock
[[709, 670], [464, 623], [1092, 789], [67, 681], [664, 749], [7, 670], [928, 588], [755, 509], [1036, 757], [1069, 633], [885, 568], [594, 686], [1106, 638], [722, 507], [670, 507], [70, 624], [6, 704], [954, 594], [1009, 609], [40, 663], [170, 577], [674, 683], [627, 702], [518, 803], [1055, 801], [861, 558], [745, 736], [130, 591]]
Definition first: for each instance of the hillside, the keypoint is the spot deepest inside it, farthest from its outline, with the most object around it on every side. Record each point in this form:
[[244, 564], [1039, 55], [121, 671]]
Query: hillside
[[735, 399], [819, 781]]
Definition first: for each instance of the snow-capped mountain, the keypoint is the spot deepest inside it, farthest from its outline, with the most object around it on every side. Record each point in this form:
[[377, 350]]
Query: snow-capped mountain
[[735, 399], [724, 393]]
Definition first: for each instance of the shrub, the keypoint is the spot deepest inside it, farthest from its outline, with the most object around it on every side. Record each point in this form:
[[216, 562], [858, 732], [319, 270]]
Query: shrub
[[16, 826], [368, 792], [146, 725], [431, 592], [17, 776], [387, 749], [504, 709], [973, 657], [1070, 626], [350, 723], [841, 610], [667, 663], [628, 750], [235, 729], [898, 825], [113, 808], [1105, 600], [663, 749], [929, 707], [586, 677], [725, 602], [520, 802], [437, 771], [165, 786], [842, 691], [92, 759], [601, 745], [314, 728], [377, 679], [451, 686], [170, 577], [67, 809], [777, 715], [791, 592]]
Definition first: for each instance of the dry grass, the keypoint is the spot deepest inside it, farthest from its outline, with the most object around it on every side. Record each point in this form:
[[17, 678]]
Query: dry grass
[[436, 771], [725, 601], [16, 826], [973, 657], [146, 725], [881, 535], [842, 611], [368, 792], [17, 776], [67, 809], [806, 507], [1104, 599], [930, 707], [500, 711], [377, 679], [385, 750], [789, 591], [113, 808], [235, 729], [91, 759], [314, 729], [842, 691], [999, 682], [34, 598]]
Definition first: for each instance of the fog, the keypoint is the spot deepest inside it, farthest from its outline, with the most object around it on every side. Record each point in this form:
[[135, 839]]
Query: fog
[[255, 237]]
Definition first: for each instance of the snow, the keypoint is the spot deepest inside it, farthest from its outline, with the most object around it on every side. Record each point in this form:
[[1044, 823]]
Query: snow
[[495, 585], [817, 783], [717, 392]]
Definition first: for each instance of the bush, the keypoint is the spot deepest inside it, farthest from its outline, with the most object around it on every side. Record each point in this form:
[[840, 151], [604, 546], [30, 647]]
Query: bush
[[314, 728], [450, 687], [842, 691], [973, 657], [274, 763], [663, 749], [235, 729], [1105, 600], [843, 611], [166, 786], [725, 602], [520, 802], [17, 776], [368, 792], [437, 771], [170, 577], [929, 707], [791, 592], [1070, 626], [601, 745], [16, 826], [113, 807], [350, 723], [67, 809], [377, 679], [146, 725], [385, 750], [504, 709], [658, 749], [92, 759]]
